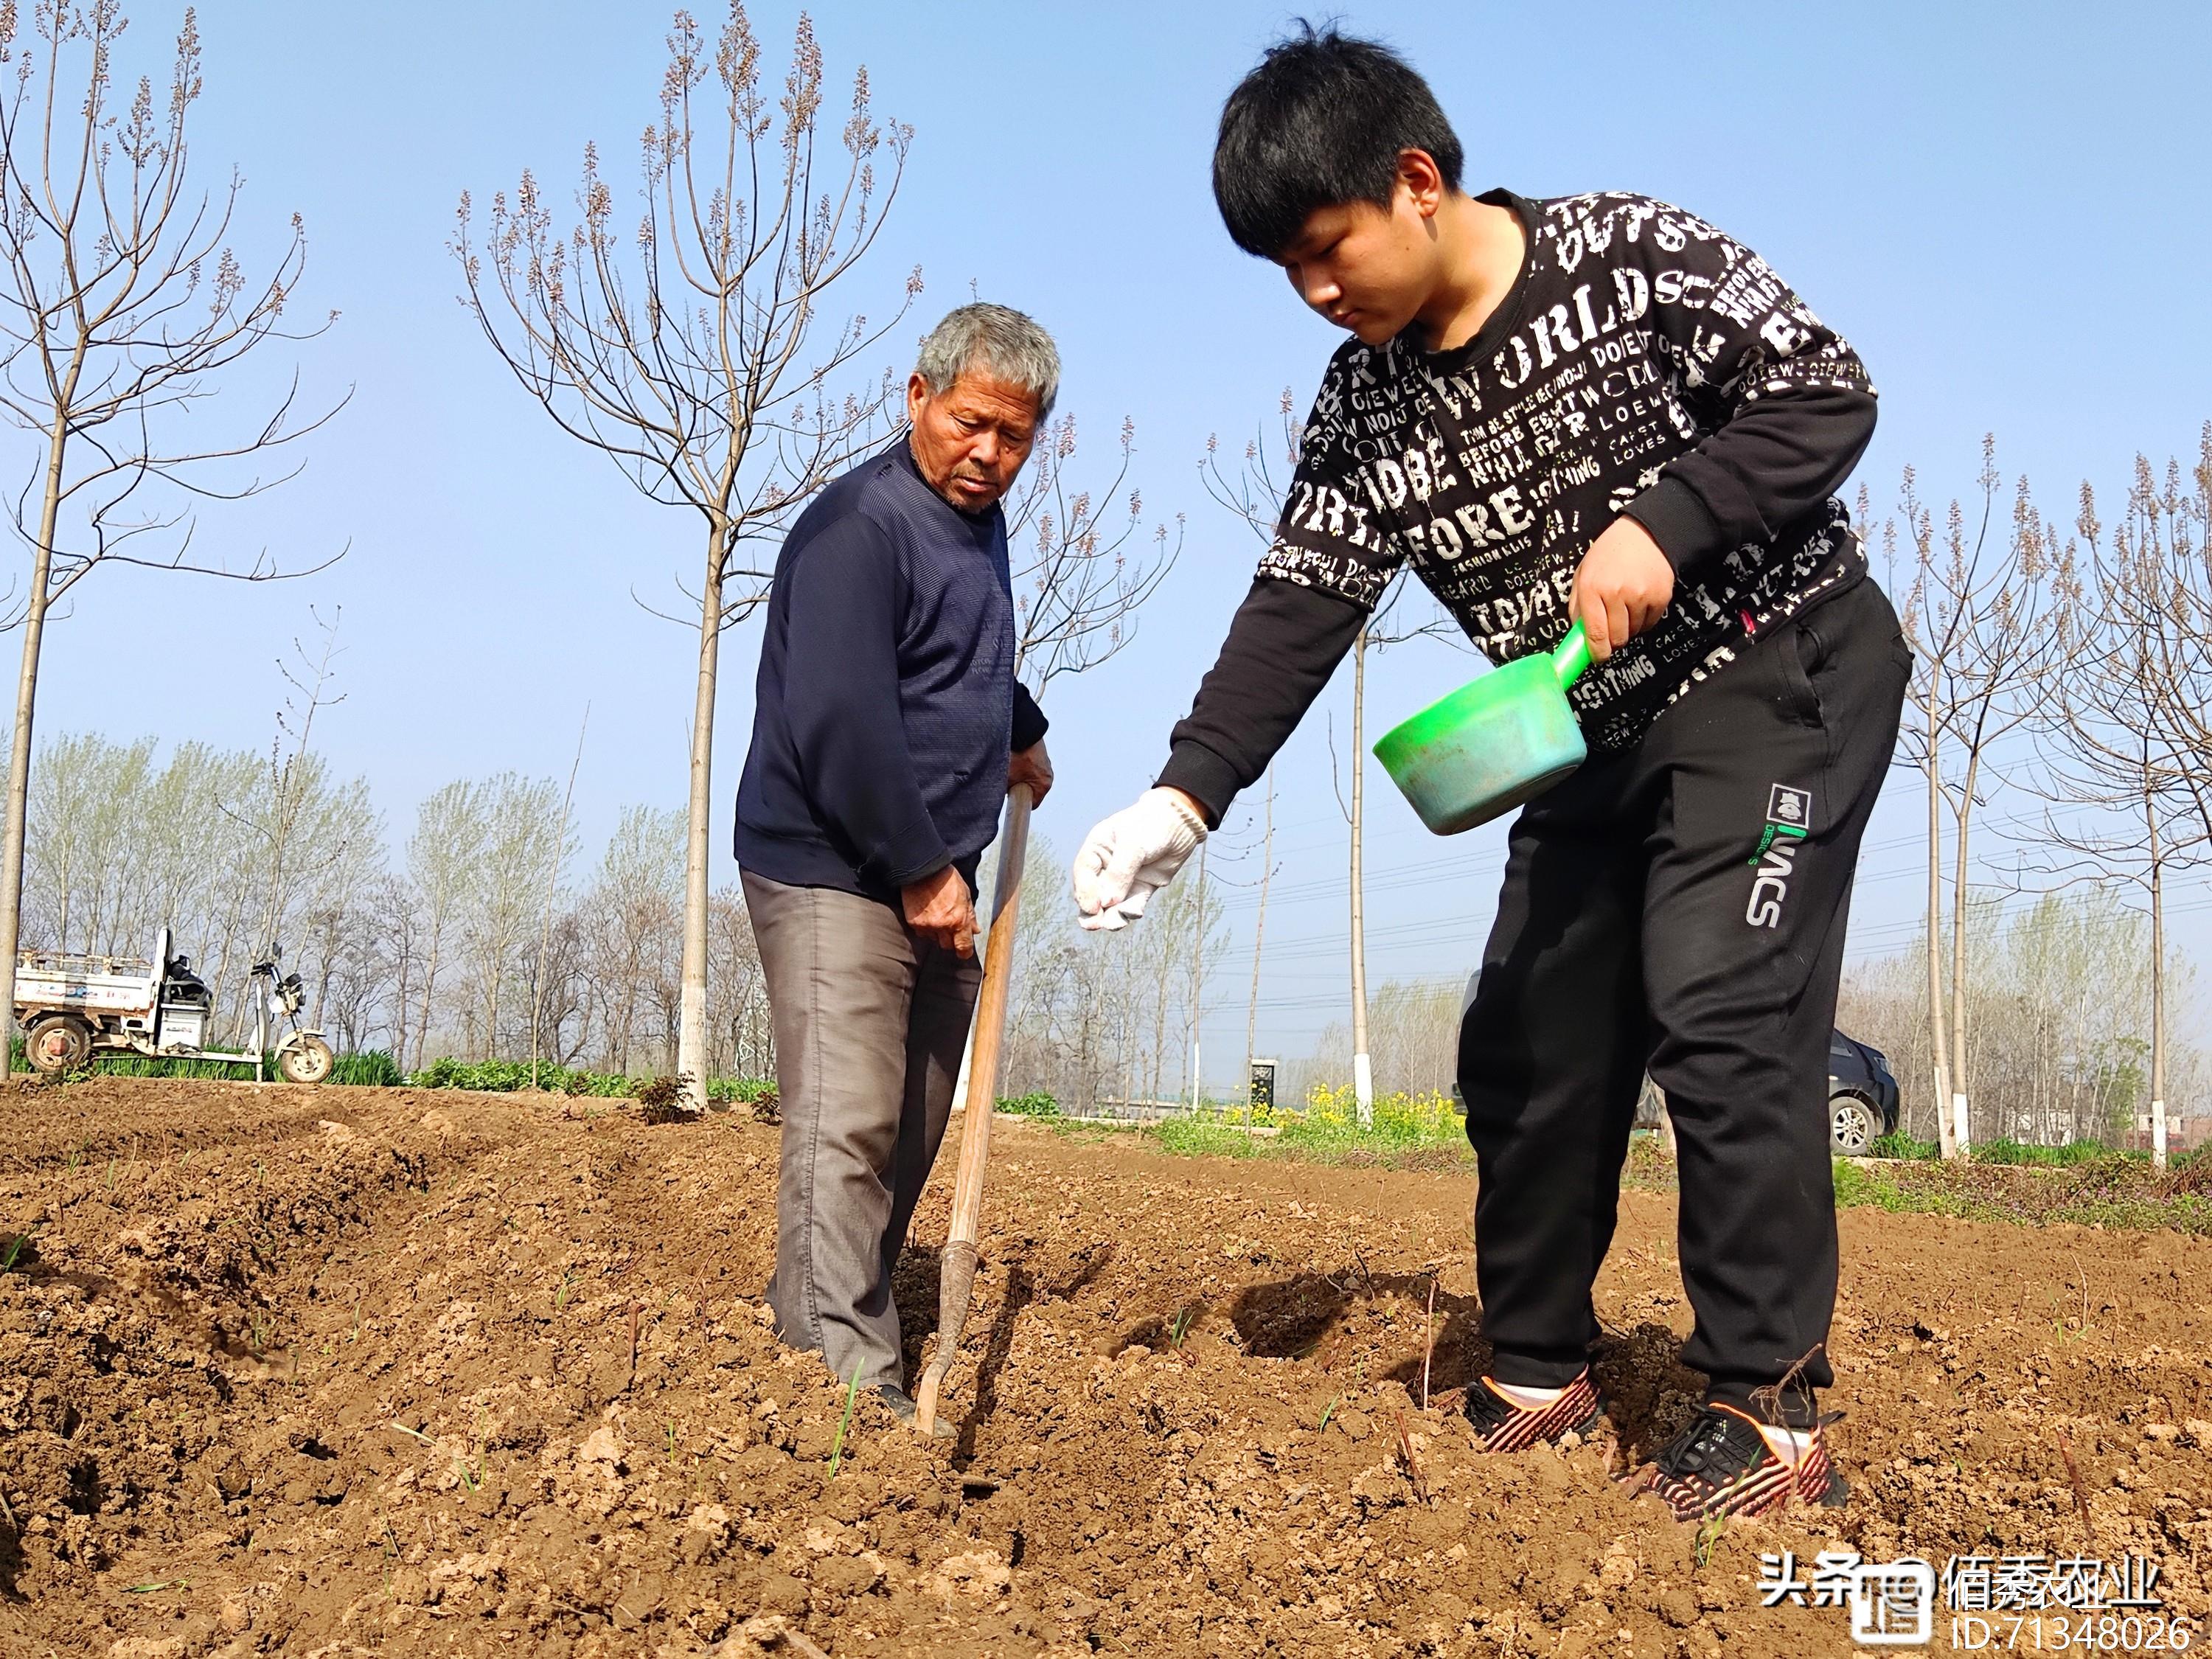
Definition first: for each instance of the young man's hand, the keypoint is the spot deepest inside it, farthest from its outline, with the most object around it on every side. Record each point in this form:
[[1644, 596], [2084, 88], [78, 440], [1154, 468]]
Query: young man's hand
[[941, 909], [1624, 585], [1031, 766], [1132, 856]]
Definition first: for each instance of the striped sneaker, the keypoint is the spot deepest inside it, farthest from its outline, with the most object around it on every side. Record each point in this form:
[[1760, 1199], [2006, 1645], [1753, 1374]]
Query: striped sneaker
[[1510, 1419], [1727, 1463]]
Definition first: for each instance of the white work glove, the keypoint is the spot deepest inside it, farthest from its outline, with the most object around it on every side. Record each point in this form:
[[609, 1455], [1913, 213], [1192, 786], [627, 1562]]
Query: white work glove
[[1132, 856]]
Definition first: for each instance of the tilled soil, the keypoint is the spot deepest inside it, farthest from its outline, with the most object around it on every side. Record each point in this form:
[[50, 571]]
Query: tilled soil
[[356, 1370]]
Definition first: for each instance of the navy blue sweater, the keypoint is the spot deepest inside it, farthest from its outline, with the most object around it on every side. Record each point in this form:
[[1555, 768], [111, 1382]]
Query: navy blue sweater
[[886, 706]]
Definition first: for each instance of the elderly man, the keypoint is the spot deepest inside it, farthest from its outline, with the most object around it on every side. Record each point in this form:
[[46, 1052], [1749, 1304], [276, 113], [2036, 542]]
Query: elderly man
[[887, 730]]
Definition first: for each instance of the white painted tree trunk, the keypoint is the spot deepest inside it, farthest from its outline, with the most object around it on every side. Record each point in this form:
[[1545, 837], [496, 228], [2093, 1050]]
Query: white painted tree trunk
[[1198, 980], [19, 757], [1960, 1074], [2157, 990], [1363, 1071], [1938, 1040], [691, 1005]]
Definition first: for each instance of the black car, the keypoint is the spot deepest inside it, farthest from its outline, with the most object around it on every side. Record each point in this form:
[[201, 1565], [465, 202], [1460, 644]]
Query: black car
[[1862, 1096]]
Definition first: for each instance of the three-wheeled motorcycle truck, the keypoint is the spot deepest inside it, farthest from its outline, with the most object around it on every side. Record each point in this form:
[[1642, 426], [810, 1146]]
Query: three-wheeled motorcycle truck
[[72, 1005]]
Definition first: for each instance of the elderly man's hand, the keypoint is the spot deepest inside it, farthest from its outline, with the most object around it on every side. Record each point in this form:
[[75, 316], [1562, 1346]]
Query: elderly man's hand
[[1033, 767], [941, 909]]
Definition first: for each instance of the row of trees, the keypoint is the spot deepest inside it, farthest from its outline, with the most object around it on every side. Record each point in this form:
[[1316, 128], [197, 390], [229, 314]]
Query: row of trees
[[698, 339], [698, 342], [2069, 668], [1097, 1020], [2057, 1004], [489, 935]]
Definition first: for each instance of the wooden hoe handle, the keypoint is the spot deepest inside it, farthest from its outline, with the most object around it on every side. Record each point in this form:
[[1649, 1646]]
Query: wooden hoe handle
[[957, 1266]]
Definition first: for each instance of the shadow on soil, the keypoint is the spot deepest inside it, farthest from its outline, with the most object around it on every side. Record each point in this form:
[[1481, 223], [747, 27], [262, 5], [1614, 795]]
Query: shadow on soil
[[917, 1281], [1649, 1393]]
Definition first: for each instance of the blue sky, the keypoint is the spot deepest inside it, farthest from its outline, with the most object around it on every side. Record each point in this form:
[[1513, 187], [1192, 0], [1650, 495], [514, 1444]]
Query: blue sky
[[2001, 206]]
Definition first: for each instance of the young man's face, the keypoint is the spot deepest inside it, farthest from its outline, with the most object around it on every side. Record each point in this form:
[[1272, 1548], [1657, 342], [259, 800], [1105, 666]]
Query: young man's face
[[1365, 268]]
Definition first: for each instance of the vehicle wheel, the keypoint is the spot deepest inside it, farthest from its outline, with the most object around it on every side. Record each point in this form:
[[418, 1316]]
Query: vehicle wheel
[[309, 1061], [58, 1043], [1852, 1126]]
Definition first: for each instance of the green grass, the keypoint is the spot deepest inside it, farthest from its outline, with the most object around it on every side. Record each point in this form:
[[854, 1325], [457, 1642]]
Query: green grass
[[2116, 1190], [837, 1446], [2057, 1158], [2084, 1183], [1407, 1131], [505, 1076], [115, 1065], [368, 1067]]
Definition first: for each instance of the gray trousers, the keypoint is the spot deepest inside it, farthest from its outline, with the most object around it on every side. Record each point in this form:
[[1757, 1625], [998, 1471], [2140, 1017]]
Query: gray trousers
[[870, 1022]]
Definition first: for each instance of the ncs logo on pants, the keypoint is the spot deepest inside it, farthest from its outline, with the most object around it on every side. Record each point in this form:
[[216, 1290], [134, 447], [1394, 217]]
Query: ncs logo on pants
[[1788, 817]]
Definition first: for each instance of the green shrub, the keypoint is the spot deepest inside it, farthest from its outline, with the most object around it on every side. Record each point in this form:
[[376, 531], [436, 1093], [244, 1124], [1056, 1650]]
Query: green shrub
[[1900, 1144], [1036, 1104], [660, 1099], [742, 1090], [372, 1068], [505, 1076]]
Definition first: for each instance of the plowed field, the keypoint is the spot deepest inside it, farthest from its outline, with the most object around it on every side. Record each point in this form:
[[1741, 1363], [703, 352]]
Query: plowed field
[[351, 1370]]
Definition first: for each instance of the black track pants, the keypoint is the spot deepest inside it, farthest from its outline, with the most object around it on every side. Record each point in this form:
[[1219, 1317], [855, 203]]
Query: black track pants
[[1681, 909]]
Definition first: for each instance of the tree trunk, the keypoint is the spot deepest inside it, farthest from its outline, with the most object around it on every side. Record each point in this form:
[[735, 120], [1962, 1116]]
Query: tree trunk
[[1961, 1091], [19, 786], [1197, 978], [429, 990], [1258, 933], [2157, 988], [691, 1010], [1939, 1045], [1160, 1021], [19, 757], [1363, 1073]]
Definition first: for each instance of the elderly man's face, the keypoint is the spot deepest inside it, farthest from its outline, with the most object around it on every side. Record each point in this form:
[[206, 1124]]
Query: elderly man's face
[[970, 439]]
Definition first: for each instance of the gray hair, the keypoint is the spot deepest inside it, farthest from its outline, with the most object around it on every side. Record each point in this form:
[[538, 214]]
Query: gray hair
[[1002, 343]]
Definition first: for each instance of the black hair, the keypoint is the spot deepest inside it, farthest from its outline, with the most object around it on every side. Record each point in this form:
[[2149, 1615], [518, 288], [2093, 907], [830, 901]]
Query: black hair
[[1321, 121]]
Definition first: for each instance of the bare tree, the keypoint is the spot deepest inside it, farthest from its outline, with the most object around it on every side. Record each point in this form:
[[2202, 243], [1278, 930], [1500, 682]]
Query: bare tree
[[2126, 715], [1260, 932], [291, 776], [520, 842], [634, 898], [1980, 633], [1254, 494], [538, 976], [738, 1011], [2060, 992], [690, 347], [120, 306], [1081, 584], [451, 827]]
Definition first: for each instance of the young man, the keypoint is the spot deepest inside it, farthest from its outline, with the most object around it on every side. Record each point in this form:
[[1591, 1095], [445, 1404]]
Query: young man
[[1596, 409], [887, 729]]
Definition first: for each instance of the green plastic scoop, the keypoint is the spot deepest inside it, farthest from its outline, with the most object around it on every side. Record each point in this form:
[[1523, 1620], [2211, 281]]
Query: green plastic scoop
[[1497, 741]]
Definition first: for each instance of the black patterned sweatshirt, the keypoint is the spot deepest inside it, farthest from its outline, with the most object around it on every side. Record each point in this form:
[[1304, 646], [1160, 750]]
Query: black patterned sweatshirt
[[1643, 364]]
